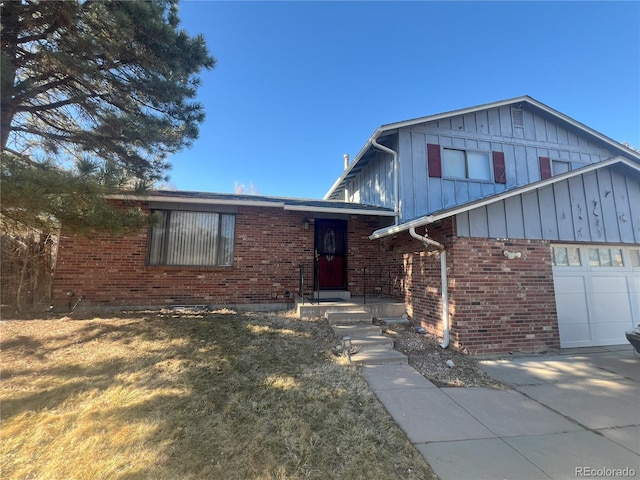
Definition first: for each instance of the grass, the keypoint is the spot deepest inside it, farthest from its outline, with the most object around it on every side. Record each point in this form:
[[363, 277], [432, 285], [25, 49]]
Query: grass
[[190, 396]]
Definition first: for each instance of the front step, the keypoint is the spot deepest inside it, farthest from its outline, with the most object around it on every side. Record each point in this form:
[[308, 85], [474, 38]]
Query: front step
[[395, 321], [379, 357], [349, 317], [377, 342], [356, 330]]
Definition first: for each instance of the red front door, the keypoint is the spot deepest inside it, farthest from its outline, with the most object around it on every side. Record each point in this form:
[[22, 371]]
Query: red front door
[[331, 254]]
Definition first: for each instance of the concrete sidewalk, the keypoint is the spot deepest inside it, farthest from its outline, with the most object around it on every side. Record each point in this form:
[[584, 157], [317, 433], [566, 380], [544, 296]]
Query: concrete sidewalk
[[566, 416]]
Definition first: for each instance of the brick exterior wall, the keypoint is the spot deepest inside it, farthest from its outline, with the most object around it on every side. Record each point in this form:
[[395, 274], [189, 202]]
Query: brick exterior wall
[[503, 305], [270, 244], [496, 305]]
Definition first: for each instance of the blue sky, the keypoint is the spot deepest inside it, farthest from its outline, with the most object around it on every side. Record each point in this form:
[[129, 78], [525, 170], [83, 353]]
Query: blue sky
[[298, 84]]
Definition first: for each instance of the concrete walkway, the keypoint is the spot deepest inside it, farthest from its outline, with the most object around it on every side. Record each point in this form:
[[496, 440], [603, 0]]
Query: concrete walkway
[[571, 415]]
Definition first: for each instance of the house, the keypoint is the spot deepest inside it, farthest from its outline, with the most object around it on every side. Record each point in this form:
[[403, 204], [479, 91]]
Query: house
[[502, 227]]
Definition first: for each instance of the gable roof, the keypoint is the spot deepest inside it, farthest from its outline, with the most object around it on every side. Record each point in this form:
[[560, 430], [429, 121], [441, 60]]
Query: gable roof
[[293, 204], [354, 167], [625, 163]]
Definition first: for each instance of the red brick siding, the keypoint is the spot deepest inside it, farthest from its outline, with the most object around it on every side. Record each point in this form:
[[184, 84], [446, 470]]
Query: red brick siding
[[495, 304], [270, 243], [415, 277], [503, 305]]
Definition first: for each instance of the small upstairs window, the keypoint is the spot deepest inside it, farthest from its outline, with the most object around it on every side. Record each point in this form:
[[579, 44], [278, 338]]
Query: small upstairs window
[[466, 164], [560, 166]]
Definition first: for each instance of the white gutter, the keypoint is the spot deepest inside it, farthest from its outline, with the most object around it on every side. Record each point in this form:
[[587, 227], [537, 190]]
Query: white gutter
[[443, 283], [207, 201], [396, 202], [351, 211]]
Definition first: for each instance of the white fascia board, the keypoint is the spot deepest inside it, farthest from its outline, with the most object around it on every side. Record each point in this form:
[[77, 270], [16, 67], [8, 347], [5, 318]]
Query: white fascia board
[[205, 201], [427, 219], [349, 211]]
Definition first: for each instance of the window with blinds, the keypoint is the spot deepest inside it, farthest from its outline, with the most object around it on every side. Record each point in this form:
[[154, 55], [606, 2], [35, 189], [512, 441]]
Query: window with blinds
[[192, 238]]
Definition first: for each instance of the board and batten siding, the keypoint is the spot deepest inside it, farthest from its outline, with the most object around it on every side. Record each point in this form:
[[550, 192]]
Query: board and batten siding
[[489, 131], [598, 206]]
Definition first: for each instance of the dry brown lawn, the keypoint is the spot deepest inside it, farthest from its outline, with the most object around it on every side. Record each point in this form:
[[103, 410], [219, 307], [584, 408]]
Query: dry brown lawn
[[167, 395]]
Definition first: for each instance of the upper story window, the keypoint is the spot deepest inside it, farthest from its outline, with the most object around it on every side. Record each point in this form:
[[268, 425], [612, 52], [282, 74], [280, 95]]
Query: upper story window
[[560, 166], [192, 239], [466, 164]]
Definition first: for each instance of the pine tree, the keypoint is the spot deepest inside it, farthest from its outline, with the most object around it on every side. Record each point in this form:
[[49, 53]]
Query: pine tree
[[95, 96]]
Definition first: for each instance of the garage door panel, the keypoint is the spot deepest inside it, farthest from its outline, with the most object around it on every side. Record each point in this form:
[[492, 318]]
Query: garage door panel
[[609, 306], [574, 335], [572, 308], [609, 284], [569, 284], [596, 304], [609, 333]]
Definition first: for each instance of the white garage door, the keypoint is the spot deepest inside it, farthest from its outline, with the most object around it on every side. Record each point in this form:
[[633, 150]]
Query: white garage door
[[597, 291]]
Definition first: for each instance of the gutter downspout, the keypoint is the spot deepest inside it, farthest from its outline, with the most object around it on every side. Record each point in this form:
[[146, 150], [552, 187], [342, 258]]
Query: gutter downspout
[[396, 206], [443, 282]]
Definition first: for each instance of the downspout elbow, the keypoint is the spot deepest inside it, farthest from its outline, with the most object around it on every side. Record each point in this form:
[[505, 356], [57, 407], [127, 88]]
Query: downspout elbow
[[443, 283]]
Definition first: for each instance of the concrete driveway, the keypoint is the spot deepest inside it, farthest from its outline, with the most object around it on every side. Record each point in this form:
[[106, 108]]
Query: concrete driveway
[[572, 415]]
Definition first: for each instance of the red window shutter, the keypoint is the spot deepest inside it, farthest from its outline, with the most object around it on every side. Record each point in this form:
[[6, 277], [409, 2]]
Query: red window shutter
[[434, 160], [545, 167], [499, 171]]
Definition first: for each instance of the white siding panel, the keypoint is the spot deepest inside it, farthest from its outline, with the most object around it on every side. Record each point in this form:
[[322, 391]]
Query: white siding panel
[[563, 211], [448, 193], [462, 191], [406, 176], [541, 130], [482, 122], [578, 209], [515, 219], [478, 222], [609, 215], [435, 194], [548, 213], [457, 124], [470, 123], [594, 210], [552, 133], [623, 208], [419, 156], [533, 164], [475, 191], [506, 128], [494, 122], [529, 125], [633, 188], [496, 219], [462, 224], [531, 212], [521, 166]]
